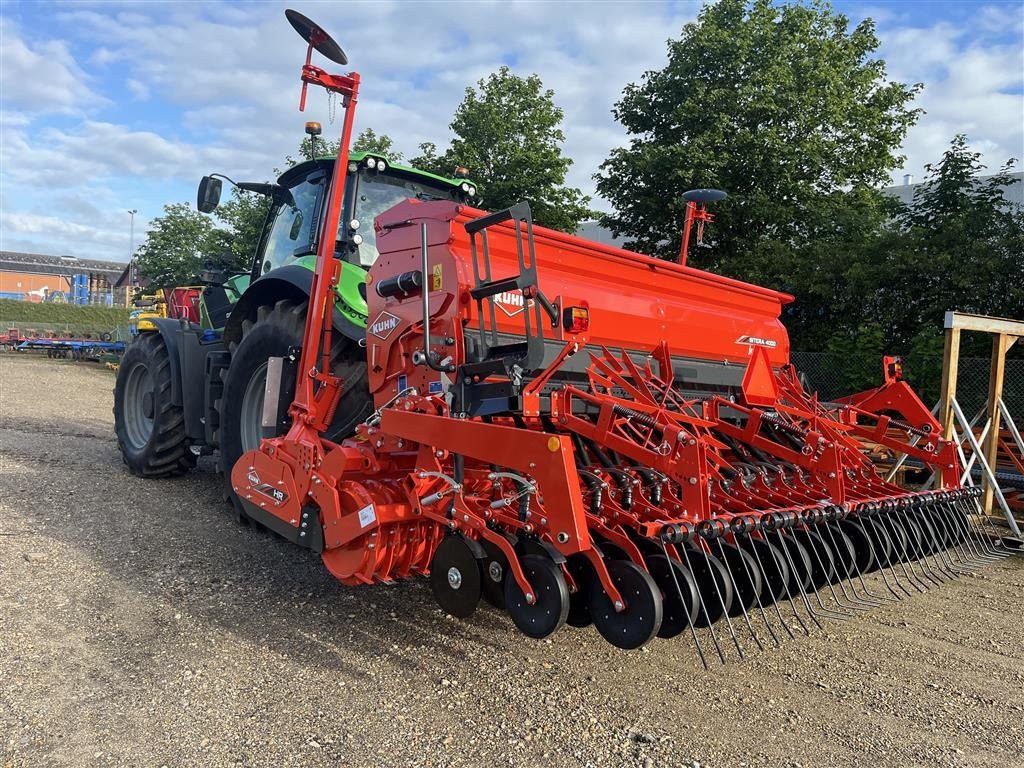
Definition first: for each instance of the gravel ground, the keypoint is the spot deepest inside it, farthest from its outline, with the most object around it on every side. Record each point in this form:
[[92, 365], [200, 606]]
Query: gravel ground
[[140, 626]]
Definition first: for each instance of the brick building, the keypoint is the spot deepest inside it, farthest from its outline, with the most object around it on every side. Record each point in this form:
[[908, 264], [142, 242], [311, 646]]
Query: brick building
[[37, 277]]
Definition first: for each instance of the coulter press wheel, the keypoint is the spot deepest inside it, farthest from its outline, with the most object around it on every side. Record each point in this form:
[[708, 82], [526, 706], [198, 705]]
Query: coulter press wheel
[[551, 604], [455, 577], [772, 564], [494, 568], [640, 621]]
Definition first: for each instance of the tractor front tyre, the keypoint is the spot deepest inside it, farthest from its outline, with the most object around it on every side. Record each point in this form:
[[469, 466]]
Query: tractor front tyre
[[275, 330], [150, 428]]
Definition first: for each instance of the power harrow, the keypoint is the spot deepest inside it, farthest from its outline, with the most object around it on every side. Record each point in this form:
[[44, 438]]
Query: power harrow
[[584, 435]]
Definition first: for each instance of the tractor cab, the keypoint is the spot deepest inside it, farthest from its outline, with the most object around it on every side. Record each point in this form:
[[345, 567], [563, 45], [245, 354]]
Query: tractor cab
[[292, 227]]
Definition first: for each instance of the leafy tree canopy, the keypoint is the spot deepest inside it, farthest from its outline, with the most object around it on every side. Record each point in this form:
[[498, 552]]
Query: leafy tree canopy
[[959, 245], [177, 245], [784, 107], [508, 133]]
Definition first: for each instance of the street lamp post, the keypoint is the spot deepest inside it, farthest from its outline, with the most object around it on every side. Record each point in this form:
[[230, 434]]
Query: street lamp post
[[131, 254]]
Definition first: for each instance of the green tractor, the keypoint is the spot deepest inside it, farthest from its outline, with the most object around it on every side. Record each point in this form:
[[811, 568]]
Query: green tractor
[[186, 389]]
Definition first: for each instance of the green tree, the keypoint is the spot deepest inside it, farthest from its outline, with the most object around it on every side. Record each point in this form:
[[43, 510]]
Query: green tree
[[959, 245], [245, 215], [784, 107], [508, 133], [429, 160], [368, 141], [177, 246]]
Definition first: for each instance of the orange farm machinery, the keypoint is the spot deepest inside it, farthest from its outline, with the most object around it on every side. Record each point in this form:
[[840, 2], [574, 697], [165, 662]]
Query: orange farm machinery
[[580, 434]]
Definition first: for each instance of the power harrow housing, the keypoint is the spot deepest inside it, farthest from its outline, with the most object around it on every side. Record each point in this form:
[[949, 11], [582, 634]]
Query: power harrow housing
[[581, 434]]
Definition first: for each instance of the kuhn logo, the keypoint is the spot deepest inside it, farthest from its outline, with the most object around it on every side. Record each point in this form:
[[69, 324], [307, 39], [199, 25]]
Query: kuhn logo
[[383, 325], [511, 302], [253, 478], [758, 341]]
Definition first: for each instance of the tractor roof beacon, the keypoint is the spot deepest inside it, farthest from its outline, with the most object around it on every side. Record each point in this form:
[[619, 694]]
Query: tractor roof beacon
[[576, 433]]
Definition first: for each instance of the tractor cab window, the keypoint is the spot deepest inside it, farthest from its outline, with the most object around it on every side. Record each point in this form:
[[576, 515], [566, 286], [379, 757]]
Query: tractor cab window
[[292, 227], [377, 192]]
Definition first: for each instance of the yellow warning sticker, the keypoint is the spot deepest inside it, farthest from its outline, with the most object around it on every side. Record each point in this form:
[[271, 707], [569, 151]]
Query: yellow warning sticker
[[435, 278]]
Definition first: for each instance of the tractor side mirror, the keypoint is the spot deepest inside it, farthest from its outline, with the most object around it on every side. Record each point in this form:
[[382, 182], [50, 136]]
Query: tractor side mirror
[[208, 197]]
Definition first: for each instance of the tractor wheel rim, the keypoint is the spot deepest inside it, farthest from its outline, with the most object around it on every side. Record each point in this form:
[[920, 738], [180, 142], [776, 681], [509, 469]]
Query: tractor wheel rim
[[251, 426], [138, 389]]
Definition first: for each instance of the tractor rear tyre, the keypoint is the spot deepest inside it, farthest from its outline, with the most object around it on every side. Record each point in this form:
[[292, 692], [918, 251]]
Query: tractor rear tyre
[[150, 428], [276, 329]]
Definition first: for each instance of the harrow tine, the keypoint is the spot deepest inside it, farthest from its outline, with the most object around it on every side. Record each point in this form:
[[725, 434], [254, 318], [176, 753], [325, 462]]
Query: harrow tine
[[968, 513], [772, 522], [972, 557], [910, 545], [862, 523], [831, 612], [679, 589], [795, 579], [725, 608], [842, 544], [979, 539], [743, 608], [700, 598], [775, 603], [901, 552], [757, 594], [972, 510], [921, 547], [997, 535], [934, 549], [848, 567], [886, 562], [992, 534]]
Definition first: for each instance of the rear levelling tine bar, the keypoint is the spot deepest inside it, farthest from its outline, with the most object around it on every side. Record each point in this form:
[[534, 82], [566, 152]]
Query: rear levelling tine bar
[[772, 522], [901, 543], [869, 510], [936, 550], [788, 519], [961, 536], [1001, 548], [676, 534], [832, 515], [709, 530], [744, 525], [901, 550], [972, 508], [756, 526], [931, 547], [813, 516], [869, 598], [933, 575], [897, 507], [862, 523], [684, 551]]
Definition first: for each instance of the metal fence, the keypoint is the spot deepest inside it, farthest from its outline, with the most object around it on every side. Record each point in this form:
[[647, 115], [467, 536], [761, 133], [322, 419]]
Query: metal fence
[[827, 375], [67, 330]]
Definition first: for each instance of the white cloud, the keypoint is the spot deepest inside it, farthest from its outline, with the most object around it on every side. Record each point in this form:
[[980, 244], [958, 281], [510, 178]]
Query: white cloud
[[137, 88], [203, 87], [42, 78], [974, 84]]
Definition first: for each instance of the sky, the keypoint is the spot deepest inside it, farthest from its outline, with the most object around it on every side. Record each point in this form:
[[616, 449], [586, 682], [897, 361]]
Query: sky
[[108, 107]]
